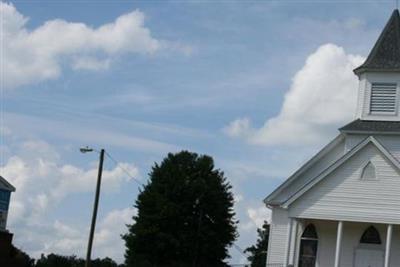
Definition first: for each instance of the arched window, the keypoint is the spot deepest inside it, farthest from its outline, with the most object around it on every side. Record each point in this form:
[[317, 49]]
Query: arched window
[[308, 247], [368, 173], [371, 236]]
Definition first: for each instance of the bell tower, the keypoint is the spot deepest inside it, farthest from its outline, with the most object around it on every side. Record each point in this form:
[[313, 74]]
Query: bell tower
[[379, 76]]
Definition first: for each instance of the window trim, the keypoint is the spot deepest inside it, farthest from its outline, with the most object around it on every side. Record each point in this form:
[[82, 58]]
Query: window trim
[[371, 228], [315, 239], [362, 178]]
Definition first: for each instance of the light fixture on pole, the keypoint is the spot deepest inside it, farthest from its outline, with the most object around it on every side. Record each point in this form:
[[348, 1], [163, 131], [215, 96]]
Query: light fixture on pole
[[96, 202]]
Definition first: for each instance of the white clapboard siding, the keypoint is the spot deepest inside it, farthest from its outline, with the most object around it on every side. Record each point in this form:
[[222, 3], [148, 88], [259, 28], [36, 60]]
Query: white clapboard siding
[[342, 195], [278, 236]]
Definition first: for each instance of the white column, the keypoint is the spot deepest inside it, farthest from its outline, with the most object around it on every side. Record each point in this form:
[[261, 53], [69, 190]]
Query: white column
[[388, 244], [338, 243], [294, 242], [288, 242]]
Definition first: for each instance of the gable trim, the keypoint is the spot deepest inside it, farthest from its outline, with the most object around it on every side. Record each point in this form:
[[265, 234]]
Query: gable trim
[[325, 150], [338, 163], [6, 184]]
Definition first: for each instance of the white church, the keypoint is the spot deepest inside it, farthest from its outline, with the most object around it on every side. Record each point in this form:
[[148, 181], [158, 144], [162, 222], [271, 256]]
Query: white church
[[342, 208]]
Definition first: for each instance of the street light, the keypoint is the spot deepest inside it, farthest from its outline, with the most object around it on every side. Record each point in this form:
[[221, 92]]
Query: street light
[[96, 201]]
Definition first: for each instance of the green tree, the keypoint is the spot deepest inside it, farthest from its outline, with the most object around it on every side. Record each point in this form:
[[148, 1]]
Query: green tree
[[18, 258], [54, 260], [185, 215], [258, 252]]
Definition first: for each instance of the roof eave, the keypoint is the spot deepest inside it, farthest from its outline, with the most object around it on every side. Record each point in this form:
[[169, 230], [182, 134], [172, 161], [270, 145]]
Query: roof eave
[[269, 200], [360, 70], [369, 132], [9, 186]]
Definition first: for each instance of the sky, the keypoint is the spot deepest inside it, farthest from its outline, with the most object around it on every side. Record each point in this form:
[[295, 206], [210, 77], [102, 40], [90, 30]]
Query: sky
[[258, 85]]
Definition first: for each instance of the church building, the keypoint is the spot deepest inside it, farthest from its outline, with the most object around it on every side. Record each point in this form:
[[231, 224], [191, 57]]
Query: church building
[[5, 193], [342, 207], [5, 236]]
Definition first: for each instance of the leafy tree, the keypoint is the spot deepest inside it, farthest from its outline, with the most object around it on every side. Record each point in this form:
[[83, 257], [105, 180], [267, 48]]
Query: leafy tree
[[185, 215], [18, 258], [258, 252], [54, 260]]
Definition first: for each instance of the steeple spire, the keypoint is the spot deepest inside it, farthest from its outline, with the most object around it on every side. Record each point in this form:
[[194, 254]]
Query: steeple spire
[[385, 56]]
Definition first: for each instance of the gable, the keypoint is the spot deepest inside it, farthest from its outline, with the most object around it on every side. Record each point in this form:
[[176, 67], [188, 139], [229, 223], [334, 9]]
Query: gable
[[343, 195], [338, 163], [324, 158], [390, 142]]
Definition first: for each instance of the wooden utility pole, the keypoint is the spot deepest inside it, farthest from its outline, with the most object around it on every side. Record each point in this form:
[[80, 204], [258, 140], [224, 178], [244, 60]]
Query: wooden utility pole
[[95, 207]]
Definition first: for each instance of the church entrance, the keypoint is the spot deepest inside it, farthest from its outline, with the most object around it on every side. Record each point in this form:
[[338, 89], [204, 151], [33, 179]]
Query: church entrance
[[370, 252], [369, 257]]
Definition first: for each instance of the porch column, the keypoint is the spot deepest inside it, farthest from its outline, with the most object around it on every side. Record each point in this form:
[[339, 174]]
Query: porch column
[[338, 243], [388, 244], [294, 242], [288, 242]]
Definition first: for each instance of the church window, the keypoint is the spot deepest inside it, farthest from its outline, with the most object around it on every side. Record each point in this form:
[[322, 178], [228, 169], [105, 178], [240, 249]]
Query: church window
[[369, 172], [371, 236], [383, 98], [308, 247]]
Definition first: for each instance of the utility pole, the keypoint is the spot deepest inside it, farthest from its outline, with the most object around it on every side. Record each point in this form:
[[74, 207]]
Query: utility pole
[[95, 207]]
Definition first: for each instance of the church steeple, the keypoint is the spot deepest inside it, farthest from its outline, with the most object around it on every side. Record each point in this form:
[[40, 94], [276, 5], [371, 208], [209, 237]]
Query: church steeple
[[385, 56], [379, 89]]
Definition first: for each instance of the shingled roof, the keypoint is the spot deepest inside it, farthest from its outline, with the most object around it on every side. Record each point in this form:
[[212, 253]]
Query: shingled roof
[[385, 56], [358, 126]]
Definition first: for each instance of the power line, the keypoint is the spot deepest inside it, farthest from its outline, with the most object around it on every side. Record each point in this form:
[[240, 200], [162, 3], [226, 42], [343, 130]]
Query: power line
[[240, 250], [119, 165]]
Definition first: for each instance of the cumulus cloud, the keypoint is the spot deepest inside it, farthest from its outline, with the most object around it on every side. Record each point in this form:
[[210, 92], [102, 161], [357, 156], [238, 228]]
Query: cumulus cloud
[[238, 128], [42, 181], [322, 96], [91, 63], [36, 55], [67, 239], [255, 218]]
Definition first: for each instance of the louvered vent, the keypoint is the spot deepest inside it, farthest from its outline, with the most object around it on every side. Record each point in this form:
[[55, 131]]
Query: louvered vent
[[383, 98]]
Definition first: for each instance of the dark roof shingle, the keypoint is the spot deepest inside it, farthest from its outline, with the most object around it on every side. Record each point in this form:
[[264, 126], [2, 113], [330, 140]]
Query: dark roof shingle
[[385, 56], [392, 127]]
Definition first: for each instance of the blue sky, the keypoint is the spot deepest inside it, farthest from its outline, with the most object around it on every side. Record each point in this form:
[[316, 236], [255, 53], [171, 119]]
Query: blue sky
[[258, 85]]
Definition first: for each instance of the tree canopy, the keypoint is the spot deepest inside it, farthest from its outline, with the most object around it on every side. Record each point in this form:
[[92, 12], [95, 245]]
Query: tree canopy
[[185, 215], [258, 252], [54, 260]]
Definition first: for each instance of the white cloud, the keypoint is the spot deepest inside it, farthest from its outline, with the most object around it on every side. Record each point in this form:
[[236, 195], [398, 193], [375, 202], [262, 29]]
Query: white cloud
[[35, 55], [91, 63], [107, 241], [65, 239], [238, 128], [256, 217], [259, 215], [322, 96], [42, 181]]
